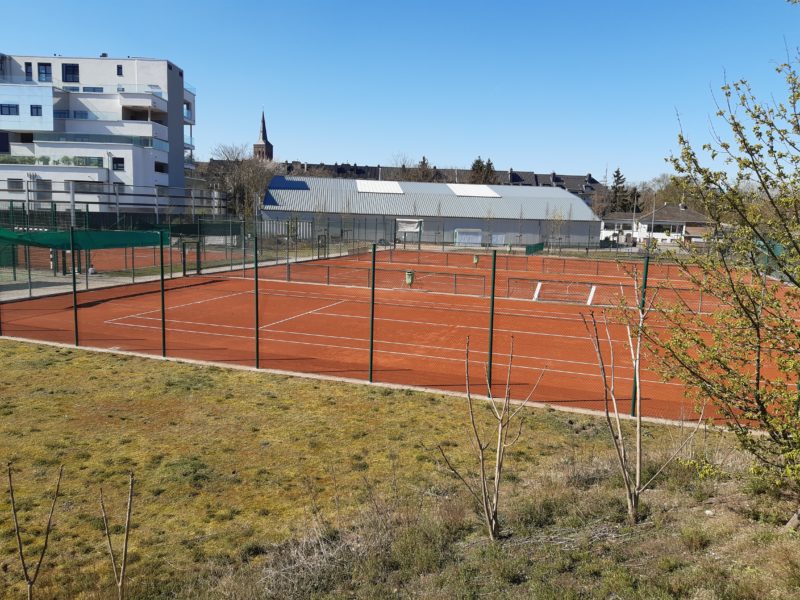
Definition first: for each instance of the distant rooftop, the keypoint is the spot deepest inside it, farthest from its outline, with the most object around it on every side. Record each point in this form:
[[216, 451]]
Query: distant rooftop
[[423, 199]]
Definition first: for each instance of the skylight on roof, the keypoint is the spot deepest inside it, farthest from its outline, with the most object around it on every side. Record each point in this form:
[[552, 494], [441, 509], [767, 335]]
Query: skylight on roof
[[378, 187], [472, 190]]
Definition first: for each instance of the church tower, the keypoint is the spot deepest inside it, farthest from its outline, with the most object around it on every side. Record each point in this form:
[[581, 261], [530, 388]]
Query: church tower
[[262, 149]]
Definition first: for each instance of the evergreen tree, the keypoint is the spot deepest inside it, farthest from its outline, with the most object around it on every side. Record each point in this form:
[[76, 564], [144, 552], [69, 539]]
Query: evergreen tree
[[619, 193], [488, 172], [482, 172], [478, 167], [424, 170]]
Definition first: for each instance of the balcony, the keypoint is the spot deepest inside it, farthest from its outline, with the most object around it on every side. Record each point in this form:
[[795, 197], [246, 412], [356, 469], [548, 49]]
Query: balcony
[[189, 88], [90, 87], [95, 162], [89, 138], [142, 99], [188, 142]]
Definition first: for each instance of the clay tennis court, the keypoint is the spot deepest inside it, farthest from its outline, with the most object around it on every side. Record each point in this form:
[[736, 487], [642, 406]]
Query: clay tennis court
[[307, 325]]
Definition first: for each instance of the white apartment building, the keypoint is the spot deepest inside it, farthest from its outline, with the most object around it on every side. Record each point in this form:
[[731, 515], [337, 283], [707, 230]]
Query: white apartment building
[[99, 127]]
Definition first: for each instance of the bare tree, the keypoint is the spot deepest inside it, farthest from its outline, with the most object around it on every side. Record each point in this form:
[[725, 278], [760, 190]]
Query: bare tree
[[30, 580], [630, 466], [119, 575], [487, 494], [243, 178]]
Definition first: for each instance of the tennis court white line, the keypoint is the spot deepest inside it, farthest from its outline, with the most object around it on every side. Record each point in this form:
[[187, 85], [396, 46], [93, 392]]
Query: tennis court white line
[[338, 337], [204, 324], [158, 310], [308, 312], [482, 328], [390, 352], [404, 354]]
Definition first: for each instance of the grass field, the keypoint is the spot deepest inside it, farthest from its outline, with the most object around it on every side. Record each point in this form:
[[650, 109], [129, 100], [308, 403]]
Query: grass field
[[252, 485]]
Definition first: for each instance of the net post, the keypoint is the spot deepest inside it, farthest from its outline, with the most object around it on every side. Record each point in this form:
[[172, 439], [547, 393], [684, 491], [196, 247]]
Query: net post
[[133, 264], [372, 315], [74, 284], [643, 293], [255, 290], [163, 302], [491, 320]]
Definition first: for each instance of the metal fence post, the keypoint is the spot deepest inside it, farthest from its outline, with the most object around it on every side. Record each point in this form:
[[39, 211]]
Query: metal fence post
[[491, 320], [372, 314], [636, 392], [74, 284], [28, 267], [163, 303], [255, 289]]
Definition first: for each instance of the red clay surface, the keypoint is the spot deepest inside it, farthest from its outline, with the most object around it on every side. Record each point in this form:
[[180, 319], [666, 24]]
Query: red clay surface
[[316, 328]]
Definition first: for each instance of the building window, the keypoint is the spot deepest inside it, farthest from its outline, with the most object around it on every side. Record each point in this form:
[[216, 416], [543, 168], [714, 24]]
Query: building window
[[119, 70], [15, 185], [61, 114], [36, 110], [45, 71], [96, 90], [70, 73], [71, 88], [44, 189], [9, 109], [87, 187], [80, 114], [117, 163], [87, 161], [28, 71], [161, 167], [26, 138]]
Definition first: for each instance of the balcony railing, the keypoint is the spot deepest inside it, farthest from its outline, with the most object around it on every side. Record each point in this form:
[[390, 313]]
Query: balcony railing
[[141, 141], [90, 87], [85, 115], [190, 88], [65, 161]]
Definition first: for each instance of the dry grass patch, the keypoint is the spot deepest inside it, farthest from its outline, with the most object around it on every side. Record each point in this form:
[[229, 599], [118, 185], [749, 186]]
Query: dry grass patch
[[245, 477]]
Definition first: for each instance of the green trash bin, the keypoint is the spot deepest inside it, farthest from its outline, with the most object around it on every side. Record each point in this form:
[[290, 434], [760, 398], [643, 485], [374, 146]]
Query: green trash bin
[[409, 278]]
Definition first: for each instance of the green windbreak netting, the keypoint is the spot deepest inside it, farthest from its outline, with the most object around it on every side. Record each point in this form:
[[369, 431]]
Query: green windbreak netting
[[82, 239]]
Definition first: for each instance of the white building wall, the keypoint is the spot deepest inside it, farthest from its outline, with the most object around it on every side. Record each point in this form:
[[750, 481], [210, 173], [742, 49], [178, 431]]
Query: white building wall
[[151, 91], [25, 96]]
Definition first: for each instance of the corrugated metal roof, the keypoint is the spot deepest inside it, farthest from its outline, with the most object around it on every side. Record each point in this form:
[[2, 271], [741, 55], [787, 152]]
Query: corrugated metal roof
[[316, 194]]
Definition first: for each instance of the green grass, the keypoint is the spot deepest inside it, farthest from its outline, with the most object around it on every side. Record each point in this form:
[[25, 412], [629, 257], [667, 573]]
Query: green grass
[[243, 477]]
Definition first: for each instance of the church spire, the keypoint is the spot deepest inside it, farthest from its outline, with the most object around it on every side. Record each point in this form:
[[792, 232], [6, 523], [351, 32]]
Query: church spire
[[262, 149], [263, 134]]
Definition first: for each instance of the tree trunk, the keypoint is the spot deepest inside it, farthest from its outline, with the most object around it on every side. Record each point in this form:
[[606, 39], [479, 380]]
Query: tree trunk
[[633, 508], [794, 522]]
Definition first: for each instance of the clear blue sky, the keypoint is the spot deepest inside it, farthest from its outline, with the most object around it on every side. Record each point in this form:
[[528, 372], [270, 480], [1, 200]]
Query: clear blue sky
[[573, 86]]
